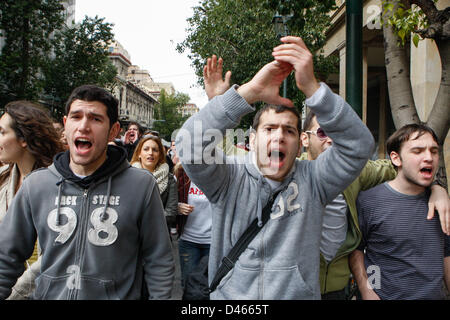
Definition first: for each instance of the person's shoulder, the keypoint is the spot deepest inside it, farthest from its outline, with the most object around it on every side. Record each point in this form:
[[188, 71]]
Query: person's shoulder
[[138, 173], [374, 192], [42, 178], [38, 174]]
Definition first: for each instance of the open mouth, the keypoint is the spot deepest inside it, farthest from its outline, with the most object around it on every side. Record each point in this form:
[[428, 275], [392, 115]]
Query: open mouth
[[426, 172], [83, 144], [276, 157]]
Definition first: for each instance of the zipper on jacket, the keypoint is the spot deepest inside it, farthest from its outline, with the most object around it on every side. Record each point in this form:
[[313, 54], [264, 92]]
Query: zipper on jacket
[[261, 279], [263, 255], [82, 239]]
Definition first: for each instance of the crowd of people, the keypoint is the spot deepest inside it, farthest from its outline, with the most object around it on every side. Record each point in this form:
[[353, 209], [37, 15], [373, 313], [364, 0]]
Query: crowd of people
[[89, 211]]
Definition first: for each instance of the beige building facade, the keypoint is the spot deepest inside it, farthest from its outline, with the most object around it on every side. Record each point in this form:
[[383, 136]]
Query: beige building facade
[[188, 110], [425, 72], [135, 104], [143, 80]]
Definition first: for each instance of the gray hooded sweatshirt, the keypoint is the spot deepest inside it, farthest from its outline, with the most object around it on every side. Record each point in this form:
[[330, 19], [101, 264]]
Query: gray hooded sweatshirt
[[282, 261], [101, 241]]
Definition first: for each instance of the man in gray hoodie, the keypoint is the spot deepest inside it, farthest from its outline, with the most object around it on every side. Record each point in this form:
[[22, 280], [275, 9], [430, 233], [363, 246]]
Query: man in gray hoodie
[[99, 221], [282, 262]]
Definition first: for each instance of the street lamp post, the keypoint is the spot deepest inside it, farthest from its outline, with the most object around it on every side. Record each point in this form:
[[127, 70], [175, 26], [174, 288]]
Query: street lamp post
[[353, 55], [280, 25]]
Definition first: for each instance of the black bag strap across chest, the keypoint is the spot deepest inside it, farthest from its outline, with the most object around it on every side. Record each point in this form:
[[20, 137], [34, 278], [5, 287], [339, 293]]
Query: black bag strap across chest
[[229, 260]]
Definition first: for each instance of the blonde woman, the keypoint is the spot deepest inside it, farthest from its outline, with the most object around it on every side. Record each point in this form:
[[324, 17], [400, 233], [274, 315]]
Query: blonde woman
[[150, 155]]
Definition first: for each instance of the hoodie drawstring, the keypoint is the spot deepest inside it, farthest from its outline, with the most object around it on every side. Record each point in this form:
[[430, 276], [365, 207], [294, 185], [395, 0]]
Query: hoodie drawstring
[[259, 205], [58, 215], [103, 216]]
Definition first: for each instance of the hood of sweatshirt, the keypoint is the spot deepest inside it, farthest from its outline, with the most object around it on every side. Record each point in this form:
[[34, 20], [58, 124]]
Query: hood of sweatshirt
[[252, 168], [116, 161], [115, 158]]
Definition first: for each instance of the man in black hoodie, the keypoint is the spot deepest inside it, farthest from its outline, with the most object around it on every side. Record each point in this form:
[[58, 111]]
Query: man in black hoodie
[[100, 222]]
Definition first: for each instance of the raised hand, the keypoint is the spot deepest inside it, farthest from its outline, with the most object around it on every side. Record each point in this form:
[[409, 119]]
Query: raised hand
[[130, 137], [294, 51], [212, 75], [265, 85]]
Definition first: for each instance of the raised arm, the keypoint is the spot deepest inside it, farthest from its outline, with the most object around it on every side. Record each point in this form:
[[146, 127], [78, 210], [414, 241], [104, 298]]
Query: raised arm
[[197, 139], [215, 85], [353, 143]]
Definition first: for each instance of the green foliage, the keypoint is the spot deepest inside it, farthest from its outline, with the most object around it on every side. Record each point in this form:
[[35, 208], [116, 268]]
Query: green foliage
[[242, 33], [27, 27], [43, 59], [167, 110], [405, 21], [80, 57]]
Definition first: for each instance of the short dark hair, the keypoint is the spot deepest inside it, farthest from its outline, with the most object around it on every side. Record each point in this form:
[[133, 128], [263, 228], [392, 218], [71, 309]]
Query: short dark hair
[[94, 93], [277, 109], [307, 124], [396, 140]]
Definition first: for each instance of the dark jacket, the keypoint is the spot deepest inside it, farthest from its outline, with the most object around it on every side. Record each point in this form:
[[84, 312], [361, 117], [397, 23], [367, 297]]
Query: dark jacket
[[169, 199], [101, 236]]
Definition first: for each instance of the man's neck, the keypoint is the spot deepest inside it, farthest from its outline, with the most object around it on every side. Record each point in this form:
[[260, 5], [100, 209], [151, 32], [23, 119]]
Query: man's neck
[[402, 185], [87, 170]]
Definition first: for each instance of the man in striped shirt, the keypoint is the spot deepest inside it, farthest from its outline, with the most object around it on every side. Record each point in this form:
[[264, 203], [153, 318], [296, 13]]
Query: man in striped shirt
[[401, 256]]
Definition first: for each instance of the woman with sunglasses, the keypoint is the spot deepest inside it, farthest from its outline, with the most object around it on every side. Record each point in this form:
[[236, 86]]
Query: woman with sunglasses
[[150, 155], [28, 141]]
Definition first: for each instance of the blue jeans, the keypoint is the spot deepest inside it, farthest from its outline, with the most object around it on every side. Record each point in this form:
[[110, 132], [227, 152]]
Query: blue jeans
[[190, 255]]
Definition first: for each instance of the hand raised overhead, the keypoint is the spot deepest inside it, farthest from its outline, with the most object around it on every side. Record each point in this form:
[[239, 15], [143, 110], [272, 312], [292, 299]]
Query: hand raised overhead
[[294, 51], [212, 75], [265, 85]]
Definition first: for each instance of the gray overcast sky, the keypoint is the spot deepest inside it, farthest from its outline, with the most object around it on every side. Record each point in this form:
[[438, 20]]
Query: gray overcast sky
[[150, 30]]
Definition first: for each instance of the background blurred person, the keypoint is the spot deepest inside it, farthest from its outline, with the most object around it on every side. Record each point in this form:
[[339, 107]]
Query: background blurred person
[[28, 141], [131, 139], [194, 223], [150, 155]]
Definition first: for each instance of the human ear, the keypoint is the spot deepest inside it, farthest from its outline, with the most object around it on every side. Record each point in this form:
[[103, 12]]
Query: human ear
[[304, 140], [395, 158], [113, 131], [23, 143]]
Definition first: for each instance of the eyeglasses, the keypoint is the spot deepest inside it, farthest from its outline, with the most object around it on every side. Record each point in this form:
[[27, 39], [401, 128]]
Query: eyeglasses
[[319, 133]]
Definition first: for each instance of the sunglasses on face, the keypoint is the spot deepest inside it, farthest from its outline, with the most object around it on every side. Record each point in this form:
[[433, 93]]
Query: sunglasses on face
[[319, 133]]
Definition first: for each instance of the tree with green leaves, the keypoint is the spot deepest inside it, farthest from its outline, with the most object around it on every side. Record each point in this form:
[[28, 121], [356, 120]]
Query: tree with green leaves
[[242, 33], [27, 28], [167, 115], [402, 22], [80, 57]]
